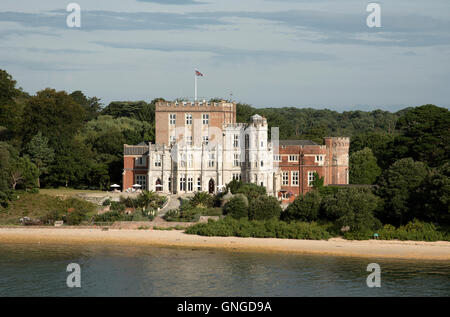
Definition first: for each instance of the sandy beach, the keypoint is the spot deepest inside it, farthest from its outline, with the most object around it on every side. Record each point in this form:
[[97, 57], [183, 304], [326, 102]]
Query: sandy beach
[[439, 250]]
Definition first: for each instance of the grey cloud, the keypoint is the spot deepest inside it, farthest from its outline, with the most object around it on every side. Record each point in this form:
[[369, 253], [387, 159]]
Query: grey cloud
[[173, 2], [110, 20], [224, 53]]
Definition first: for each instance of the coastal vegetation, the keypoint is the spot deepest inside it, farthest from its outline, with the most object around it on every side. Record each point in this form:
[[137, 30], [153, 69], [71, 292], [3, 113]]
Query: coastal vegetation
[[399, 161]]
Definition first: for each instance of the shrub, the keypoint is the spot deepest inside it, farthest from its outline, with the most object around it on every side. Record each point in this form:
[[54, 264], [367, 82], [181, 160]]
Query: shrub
[[303, 208], [251, 191], [264, 207], [112, 216], [237, 207], [106, 202], [260, 229], [414, 230], [353, 207], [202, 200]]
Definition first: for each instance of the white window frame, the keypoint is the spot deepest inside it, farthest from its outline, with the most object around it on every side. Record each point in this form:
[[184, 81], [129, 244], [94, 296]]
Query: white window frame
[[310, 177], [236, 157], [188, 140], [277, 158], [285, 178], [188, 118], [236, 140], [318, 158], [172, 118], [205, 118], [293, 158], [205, 140], [294, 178], [157, 160], [211, 160]]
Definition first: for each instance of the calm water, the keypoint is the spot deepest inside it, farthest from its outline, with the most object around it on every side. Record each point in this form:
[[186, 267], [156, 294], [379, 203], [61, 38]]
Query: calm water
[[40, 270]]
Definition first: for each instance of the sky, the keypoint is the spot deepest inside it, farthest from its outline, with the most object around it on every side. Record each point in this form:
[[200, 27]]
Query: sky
[[267, 53]]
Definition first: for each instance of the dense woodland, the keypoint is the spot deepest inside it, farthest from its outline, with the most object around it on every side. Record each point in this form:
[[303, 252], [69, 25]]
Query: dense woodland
[[56, 138]]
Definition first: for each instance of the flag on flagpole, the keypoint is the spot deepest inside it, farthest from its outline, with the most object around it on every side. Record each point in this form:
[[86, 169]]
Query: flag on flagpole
[[198, 73]]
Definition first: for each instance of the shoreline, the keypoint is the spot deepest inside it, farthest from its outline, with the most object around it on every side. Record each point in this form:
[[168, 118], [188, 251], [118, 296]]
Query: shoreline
[[394, 249]]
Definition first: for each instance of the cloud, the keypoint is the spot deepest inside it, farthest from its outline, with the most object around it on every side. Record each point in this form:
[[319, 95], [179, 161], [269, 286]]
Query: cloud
[[174, 2], [221, 53], [114, 21]]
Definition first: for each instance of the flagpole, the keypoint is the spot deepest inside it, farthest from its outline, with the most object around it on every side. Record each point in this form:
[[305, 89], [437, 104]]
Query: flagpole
[[195, 81]]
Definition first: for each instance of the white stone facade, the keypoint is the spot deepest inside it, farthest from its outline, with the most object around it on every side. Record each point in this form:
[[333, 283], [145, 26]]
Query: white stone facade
[[244, 152]]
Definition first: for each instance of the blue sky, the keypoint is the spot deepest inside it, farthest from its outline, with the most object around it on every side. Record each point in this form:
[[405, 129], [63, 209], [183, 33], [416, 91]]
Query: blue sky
[[317, 53]]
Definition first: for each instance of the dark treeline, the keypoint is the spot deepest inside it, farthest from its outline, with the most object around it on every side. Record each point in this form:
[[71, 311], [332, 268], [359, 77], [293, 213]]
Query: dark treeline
[[56, 138]]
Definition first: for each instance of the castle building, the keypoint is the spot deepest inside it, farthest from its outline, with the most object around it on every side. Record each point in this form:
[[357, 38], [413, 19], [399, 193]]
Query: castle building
[[200, 147]]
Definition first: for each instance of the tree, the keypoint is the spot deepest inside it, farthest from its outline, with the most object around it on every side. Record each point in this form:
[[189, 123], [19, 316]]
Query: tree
[[425, 135], [304, 208], [23, 172], [10, 110], [317, 183], [237, 207], [431, 199], [56, 115], [251, 191], [264, 207], [353, 207], [40, 153], [91, 105], [380, 143], [396, 185], [363, 167]]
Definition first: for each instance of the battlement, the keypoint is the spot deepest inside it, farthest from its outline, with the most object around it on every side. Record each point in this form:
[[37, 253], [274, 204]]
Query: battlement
[[182, 105], [337, 141]]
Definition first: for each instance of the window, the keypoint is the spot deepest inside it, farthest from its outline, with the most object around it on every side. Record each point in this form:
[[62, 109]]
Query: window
[[157, 160], [211, 160], [236, 160], [188, 118], [172, 118], [262, 163], [237, 176], [142, 180], [236, 140], [205, 140], [183, 182], [285, 195], [293, 158], [190, 160], [262, 184], [319, 158], [205, 118], [262, 143], [294, 180], [310, 177], [199, 184], [277, 158], [190, 184], [183, 160], [285, 178], [140, 161], [189, 140]]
